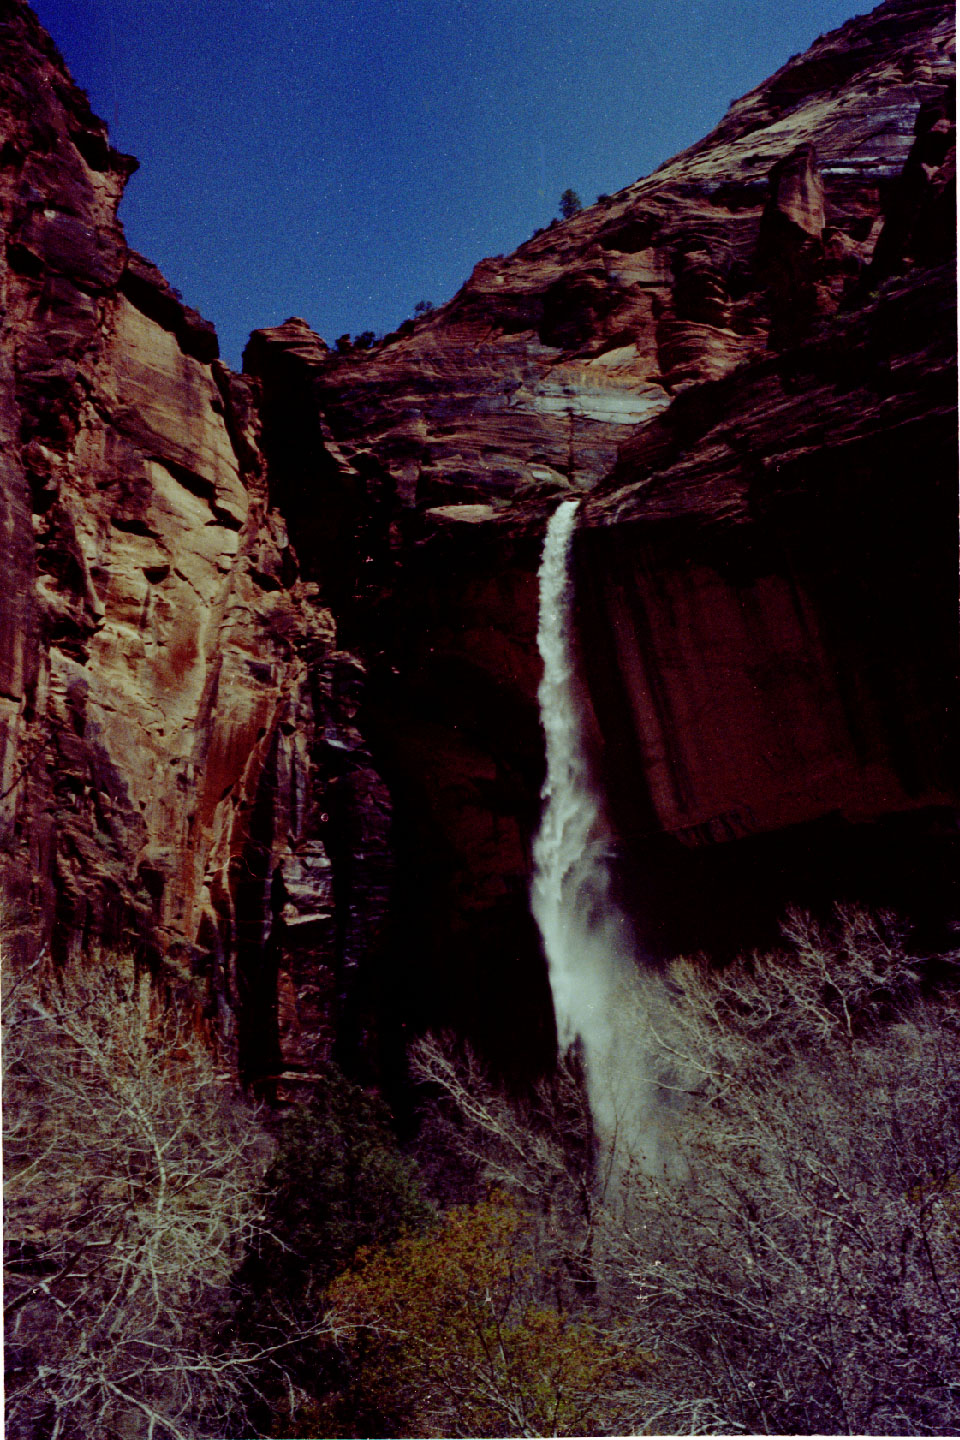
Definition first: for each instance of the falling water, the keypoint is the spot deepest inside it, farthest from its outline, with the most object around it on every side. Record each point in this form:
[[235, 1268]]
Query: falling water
[[587, 939]]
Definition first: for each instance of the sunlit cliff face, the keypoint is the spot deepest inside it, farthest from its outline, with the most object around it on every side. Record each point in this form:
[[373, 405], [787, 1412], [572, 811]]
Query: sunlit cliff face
[[268, 661]]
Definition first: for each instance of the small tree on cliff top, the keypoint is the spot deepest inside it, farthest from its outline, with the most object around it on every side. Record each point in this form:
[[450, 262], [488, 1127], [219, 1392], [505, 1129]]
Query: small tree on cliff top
[[570, 204]]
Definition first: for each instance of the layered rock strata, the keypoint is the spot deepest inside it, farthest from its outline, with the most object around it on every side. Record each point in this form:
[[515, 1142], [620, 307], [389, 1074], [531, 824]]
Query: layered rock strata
[[745, 363], [531, 378], [181, 769], [267, 655]]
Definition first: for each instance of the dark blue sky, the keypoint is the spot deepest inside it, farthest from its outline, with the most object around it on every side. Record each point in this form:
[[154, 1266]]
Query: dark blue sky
[[343, 159]]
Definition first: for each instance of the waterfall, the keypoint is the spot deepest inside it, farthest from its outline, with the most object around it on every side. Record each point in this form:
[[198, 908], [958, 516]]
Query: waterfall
[[587, 939]]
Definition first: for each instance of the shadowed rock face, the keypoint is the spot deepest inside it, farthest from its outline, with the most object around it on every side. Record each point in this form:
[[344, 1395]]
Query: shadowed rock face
[[267, 657], [745, 364]]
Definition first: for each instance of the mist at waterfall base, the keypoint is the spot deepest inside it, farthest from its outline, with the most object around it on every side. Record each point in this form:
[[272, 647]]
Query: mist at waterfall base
[[600, 995]]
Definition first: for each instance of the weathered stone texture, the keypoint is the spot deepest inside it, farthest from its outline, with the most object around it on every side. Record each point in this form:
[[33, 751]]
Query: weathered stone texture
[[267, 647], [745, 364], [172, 727]]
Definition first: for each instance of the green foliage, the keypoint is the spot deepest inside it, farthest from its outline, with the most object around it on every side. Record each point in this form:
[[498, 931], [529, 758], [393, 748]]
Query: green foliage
[[570, 204], [344, 343], [364, 340], [445, 1337], [790, 1247], [423, 307]]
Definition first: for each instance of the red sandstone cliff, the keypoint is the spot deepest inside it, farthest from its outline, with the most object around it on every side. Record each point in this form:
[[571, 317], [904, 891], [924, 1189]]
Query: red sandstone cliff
[[180, 764], [745, 364]]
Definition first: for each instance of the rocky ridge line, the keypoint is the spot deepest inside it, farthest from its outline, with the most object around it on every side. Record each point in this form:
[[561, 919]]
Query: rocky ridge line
[[267, 655]]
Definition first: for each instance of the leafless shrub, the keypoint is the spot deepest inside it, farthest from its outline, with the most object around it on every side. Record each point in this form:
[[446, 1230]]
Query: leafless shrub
[[131, 1169], [795, 1267], [543, 1151], [540, 1150], [805, 1270]]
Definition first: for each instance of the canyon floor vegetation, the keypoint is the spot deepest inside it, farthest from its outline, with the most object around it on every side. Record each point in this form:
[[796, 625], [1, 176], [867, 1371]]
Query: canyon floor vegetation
[[131, 1171], [180, 1264]]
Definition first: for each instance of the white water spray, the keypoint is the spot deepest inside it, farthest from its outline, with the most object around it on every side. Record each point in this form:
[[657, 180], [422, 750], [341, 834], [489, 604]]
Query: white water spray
[[587, 939]]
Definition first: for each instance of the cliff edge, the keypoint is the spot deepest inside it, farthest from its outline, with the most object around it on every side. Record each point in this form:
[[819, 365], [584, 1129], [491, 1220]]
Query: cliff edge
[[267, 647]]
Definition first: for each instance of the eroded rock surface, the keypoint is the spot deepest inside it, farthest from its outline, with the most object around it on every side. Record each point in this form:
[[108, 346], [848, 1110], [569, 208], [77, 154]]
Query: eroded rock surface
[[745, 365], [530, 379], [182, 772], [267, 651]]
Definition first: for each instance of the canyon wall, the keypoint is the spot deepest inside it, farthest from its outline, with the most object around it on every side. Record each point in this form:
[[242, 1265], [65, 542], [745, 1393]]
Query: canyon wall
[[182, 775], [745, 365], [267, 654]]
